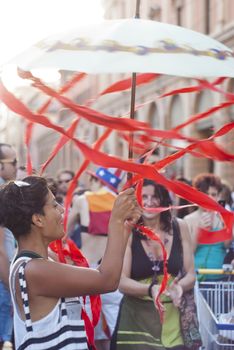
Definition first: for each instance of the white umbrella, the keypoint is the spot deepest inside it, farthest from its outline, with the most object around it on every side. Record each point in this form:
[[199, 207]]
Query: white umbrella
[[131, 45]]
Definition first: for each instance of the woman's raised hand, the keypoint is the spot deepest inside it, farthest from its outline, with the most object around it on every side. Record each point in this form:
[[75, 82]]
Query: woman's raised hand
[[126, 209]]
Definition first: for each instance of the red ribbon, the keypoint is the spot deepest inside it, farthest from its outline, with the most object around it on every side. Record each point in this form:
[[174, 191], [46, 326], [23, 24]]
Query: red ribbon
[[63, 140], [154, 236], [206, 148], [71, 250], [126, 84], [29, 128], [208, 237], [146, 171], [83, 167]]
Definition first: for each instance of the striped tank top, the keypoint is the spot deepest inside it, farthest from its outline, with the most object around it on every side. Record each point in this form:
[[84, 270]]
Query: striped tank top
[[62, 328]]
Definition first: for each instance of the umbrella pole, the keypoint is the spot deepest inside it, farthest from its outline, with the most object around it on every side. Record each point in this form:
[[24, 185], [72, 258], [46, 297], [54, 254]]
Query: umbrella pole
[[133, 97], [132, 115]]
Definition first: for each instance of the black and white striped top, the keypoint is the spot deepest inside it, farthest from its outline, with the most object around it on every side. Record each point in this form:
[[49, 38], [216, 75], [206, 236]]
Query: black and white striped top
[[62, 328]]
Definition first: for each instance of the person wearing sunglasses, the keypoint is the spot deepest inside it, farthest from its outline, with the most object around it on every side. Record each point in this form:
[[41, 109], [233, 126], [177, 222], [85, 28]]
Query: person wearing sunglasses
[[8, 168], [47, 308], [8, 163], [63, 179]]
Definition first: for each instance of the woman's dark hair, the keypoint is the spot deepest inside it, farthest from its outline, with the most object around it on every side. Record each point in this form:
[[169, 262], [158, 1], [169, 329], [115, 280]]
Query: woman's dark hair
[[19, 201], [181, 213], [52, 184], [165, 200], [202, 182]]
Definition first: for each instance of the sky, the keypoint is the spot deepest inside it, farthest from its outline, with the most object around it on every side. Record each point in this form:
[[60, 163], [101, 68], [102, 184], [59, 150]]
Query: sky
[[24, 22]]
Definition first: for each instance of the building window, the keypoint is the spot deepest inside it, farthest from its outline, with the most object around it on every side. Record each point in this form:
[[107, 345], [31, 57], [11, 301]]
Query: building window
[[203, 103], [231, 109], [176, 111], [155, 13], [153, 116], [204, 128], [179, 15], [176, 117], [178, 6]]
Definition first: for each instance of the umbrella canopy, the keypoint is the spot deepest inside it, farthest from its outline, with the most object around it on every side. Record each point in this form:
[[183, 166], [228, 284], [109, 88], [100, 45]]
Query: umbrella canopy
[[131, 45]]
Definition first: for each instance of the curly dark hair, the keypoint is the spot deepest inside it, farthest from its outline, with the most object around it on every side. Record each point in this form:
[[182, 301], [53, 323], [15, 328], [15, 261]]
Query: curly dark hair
[[165, 200], [19, 203], [202, 182]]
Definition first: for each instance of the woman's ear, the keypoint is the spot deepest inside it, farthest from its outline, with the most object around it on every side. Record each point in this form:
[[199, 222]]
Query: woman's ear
[[37, 220]]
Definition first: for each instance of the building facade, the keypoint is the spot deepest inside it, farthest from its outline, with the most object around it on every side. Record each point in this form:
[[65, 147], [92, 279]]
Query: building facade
[[212, 17]]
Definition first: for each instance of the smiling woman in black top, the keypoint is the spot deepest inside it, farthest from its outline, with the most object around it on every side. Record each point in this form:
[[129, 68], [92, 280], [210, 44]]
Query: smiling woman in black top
[[138, 322]]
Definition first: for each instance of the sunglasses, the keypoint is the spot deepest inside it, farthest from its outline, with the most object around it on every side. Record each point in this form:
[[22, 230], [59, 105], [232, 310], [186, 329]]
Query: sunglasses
[[65, 181], [20, 184], [9, 161]]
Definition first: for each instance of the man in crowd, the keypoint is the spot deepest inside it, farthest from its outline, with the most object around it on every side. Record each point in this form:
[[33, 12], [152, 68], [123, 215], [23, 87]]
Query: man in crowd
[[92, 210], [8, 168], [64, 178]]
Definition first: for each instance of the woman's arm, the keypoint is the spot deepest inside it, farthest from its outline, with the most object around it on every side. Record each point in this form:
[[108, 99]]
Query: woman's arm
[[4, 261], [192, 226], [179, 286], [79, 213], [188, 281], [51, 279]]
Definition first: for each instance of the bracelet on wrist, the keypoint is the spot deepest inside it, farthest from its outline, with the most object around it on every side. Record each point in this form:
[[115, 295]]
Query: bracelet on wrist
[[153, 283]]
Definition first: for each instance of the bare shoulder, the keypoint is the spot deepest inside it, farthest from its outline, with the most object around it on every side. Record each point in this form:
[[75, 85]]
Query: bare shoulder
[[1, 232], [79, 202], [49, 278], [182, 223], [78, 199], [192, 219], [192, 216]]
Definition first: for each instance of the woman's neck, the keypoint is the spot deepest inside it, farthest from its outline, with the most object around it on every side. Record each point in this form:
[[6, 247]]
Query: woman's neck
[[153, 223], [34, 246]]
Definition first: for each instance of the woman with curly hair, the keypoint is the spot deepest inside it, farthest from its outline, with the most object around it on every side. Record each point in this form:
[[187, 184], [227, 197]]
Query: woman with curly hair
[[47, 309]]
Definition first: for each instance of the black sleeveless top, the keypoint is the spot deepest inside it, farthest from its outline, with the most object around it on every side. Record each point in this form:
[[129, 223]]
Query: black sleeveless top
[[142, 265]]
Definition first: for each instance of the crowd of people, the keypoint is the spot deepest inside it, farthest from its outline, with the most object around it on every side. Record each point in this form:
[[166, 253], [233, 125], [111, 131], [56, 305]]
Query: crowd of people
[[41, 300]]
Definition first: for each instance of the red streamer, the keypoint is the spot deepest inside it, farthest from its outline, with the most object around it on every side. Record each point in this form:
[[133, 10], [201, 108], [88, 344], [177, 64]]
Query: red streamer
[[71, 250], [126, 84], [146, 171], [29, 128]]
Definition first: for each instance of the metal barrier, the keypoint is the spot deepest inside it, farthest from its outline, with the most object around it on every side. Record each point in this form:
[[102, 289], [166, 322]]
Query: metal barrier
[[215, 305]]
